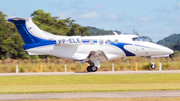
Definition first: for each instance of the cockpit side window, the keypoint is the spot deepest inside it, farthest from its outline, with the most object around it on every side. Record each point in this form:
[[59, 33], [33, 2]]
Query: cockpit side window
[[141, 39], [137, 39]]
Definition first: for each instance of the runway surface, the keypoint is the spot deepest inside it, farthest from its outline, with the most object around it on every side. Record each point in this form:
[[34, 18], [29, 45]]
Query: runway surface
[[92, 94], [134, 94], [90, 73]]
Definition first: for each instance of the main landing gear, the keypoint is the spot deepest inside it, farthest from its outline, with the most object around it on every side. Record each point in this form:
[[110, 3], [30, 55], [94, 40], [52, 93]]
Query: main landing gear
[[94, 65], [92, 68]]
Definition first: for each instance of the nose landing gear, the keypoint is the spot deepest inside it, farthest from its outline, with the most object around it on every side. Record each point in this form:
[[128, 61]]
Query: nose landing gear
[[153, 66]]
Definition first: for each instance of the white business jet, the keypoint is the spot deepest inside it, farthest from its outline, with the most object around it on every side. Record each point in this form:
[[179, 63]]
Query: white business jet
[[90, 49]]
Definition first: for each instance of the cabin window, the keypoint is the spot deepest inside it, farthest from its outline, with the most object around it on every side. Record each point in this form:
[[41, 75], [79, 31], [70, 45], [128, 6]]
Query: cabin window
[[91, 42], [116, 41], [101, 42], [108, 41]]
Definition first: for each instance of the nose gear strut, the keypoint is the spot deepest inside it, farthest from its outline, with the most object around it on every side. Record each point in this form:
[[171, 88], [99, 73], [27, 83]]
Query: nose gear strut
[[153, 66]]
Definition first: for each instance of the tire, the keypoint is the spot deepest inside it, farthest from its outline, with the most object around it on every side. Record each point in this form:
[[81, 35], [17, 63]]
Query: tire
[[89, 68], [94, 68], [153, 66]]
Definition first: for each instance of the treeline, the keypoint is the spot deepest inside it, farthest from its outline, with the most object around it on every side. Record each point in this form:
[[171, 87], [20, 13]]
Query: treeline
[[11, 43], [58, 26], [172, 41], [96, 31]]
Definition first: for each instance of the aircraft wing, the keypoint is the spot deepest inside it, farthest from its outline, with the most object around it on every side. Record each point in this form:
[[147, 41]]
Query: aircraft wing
[[96, 55]]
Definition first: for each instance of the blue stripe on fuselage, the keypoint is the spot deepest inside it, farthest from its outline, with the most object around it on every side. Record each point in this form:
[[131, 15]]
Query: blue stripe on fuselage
[[34, 45], [87, 41], [144, 46], [121, 46]]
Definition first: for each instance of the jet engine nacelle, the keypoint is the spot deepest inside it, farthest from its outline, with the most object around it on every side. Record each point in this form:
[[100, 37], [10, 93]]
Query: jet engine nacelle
[[69, 41]]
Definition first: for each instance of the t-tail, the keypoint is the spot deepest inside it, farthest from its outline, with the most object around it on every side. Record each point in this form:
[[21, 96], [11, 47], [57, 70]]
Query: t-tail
[[29, 31]]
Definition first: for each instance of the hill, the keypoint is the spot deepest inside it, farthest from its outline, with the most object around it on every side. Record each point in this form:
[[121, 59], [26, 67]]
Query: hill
[[96, 31], [172, 41]]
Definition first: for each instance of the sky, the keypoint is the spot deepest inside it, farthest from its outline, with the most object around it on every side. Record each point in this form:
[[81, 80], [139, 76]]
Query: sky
[[154, 18]]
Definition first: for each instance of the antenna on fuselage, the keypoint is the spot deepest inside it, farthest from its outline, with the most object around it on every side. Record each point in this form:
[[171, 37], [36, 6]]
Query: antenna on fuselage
[[115, 33]]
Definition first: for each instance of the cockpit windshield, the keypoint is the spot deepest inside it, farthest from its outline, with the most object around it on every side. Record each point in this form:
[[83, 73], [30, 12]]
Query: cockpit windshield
[[138, 39]]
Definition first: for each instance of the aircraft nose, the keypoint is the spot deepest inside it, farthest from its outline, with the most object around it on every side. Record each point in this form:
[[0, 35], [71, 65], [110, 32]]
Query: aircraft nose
[[166, 50], [169, 51], [159, 49]]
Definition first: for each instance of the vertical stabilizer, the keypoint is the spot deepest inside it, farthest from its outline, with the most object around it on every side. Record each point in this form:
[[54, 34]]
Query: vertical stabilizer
[[28, 30]]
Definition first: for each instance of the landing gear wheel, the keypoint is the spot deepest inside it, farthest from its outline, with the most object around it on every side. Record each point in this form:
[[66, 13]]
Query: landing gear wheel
[[89, 68], [153, 66], [94, 68]]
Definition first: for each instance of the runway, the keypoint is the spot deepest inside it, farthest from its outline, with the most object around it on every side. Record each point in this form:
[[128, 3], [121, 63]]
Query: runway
[[90, 73], [134, 94]]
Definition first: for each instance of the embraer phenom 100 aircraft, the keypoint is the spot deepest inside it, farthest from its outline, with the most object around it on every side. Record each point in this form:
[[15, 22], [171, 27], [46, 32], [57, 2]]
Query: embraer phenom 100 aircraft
[[90, 49]]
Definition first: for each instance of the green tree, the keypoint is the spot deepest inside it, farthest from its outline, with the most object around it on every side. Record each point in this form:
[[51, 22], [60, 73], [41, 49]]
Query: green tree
[[146, 38], [96, 31], [11, 43], [78, 30], [57, 26]]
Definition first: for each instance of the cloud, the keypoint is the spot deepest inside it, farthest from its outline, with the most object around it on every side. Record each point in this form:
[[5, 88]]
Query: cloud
[[55, 5], [81, 2], [78, 5], [96, 7], [173, 21], [145, 19], [157, 32], [90, 15], [58, 4], [111, 16], [141, 20], [11, 13], [168, 10], [163, 10], [167, 29], [63, 15]]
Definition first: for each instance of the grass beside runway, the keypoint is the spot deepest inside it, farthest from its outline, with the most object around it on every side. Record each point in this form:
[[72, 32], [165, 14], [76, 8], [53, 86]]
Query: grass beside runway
[[89, 83], [57, 65], [115, 99]]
